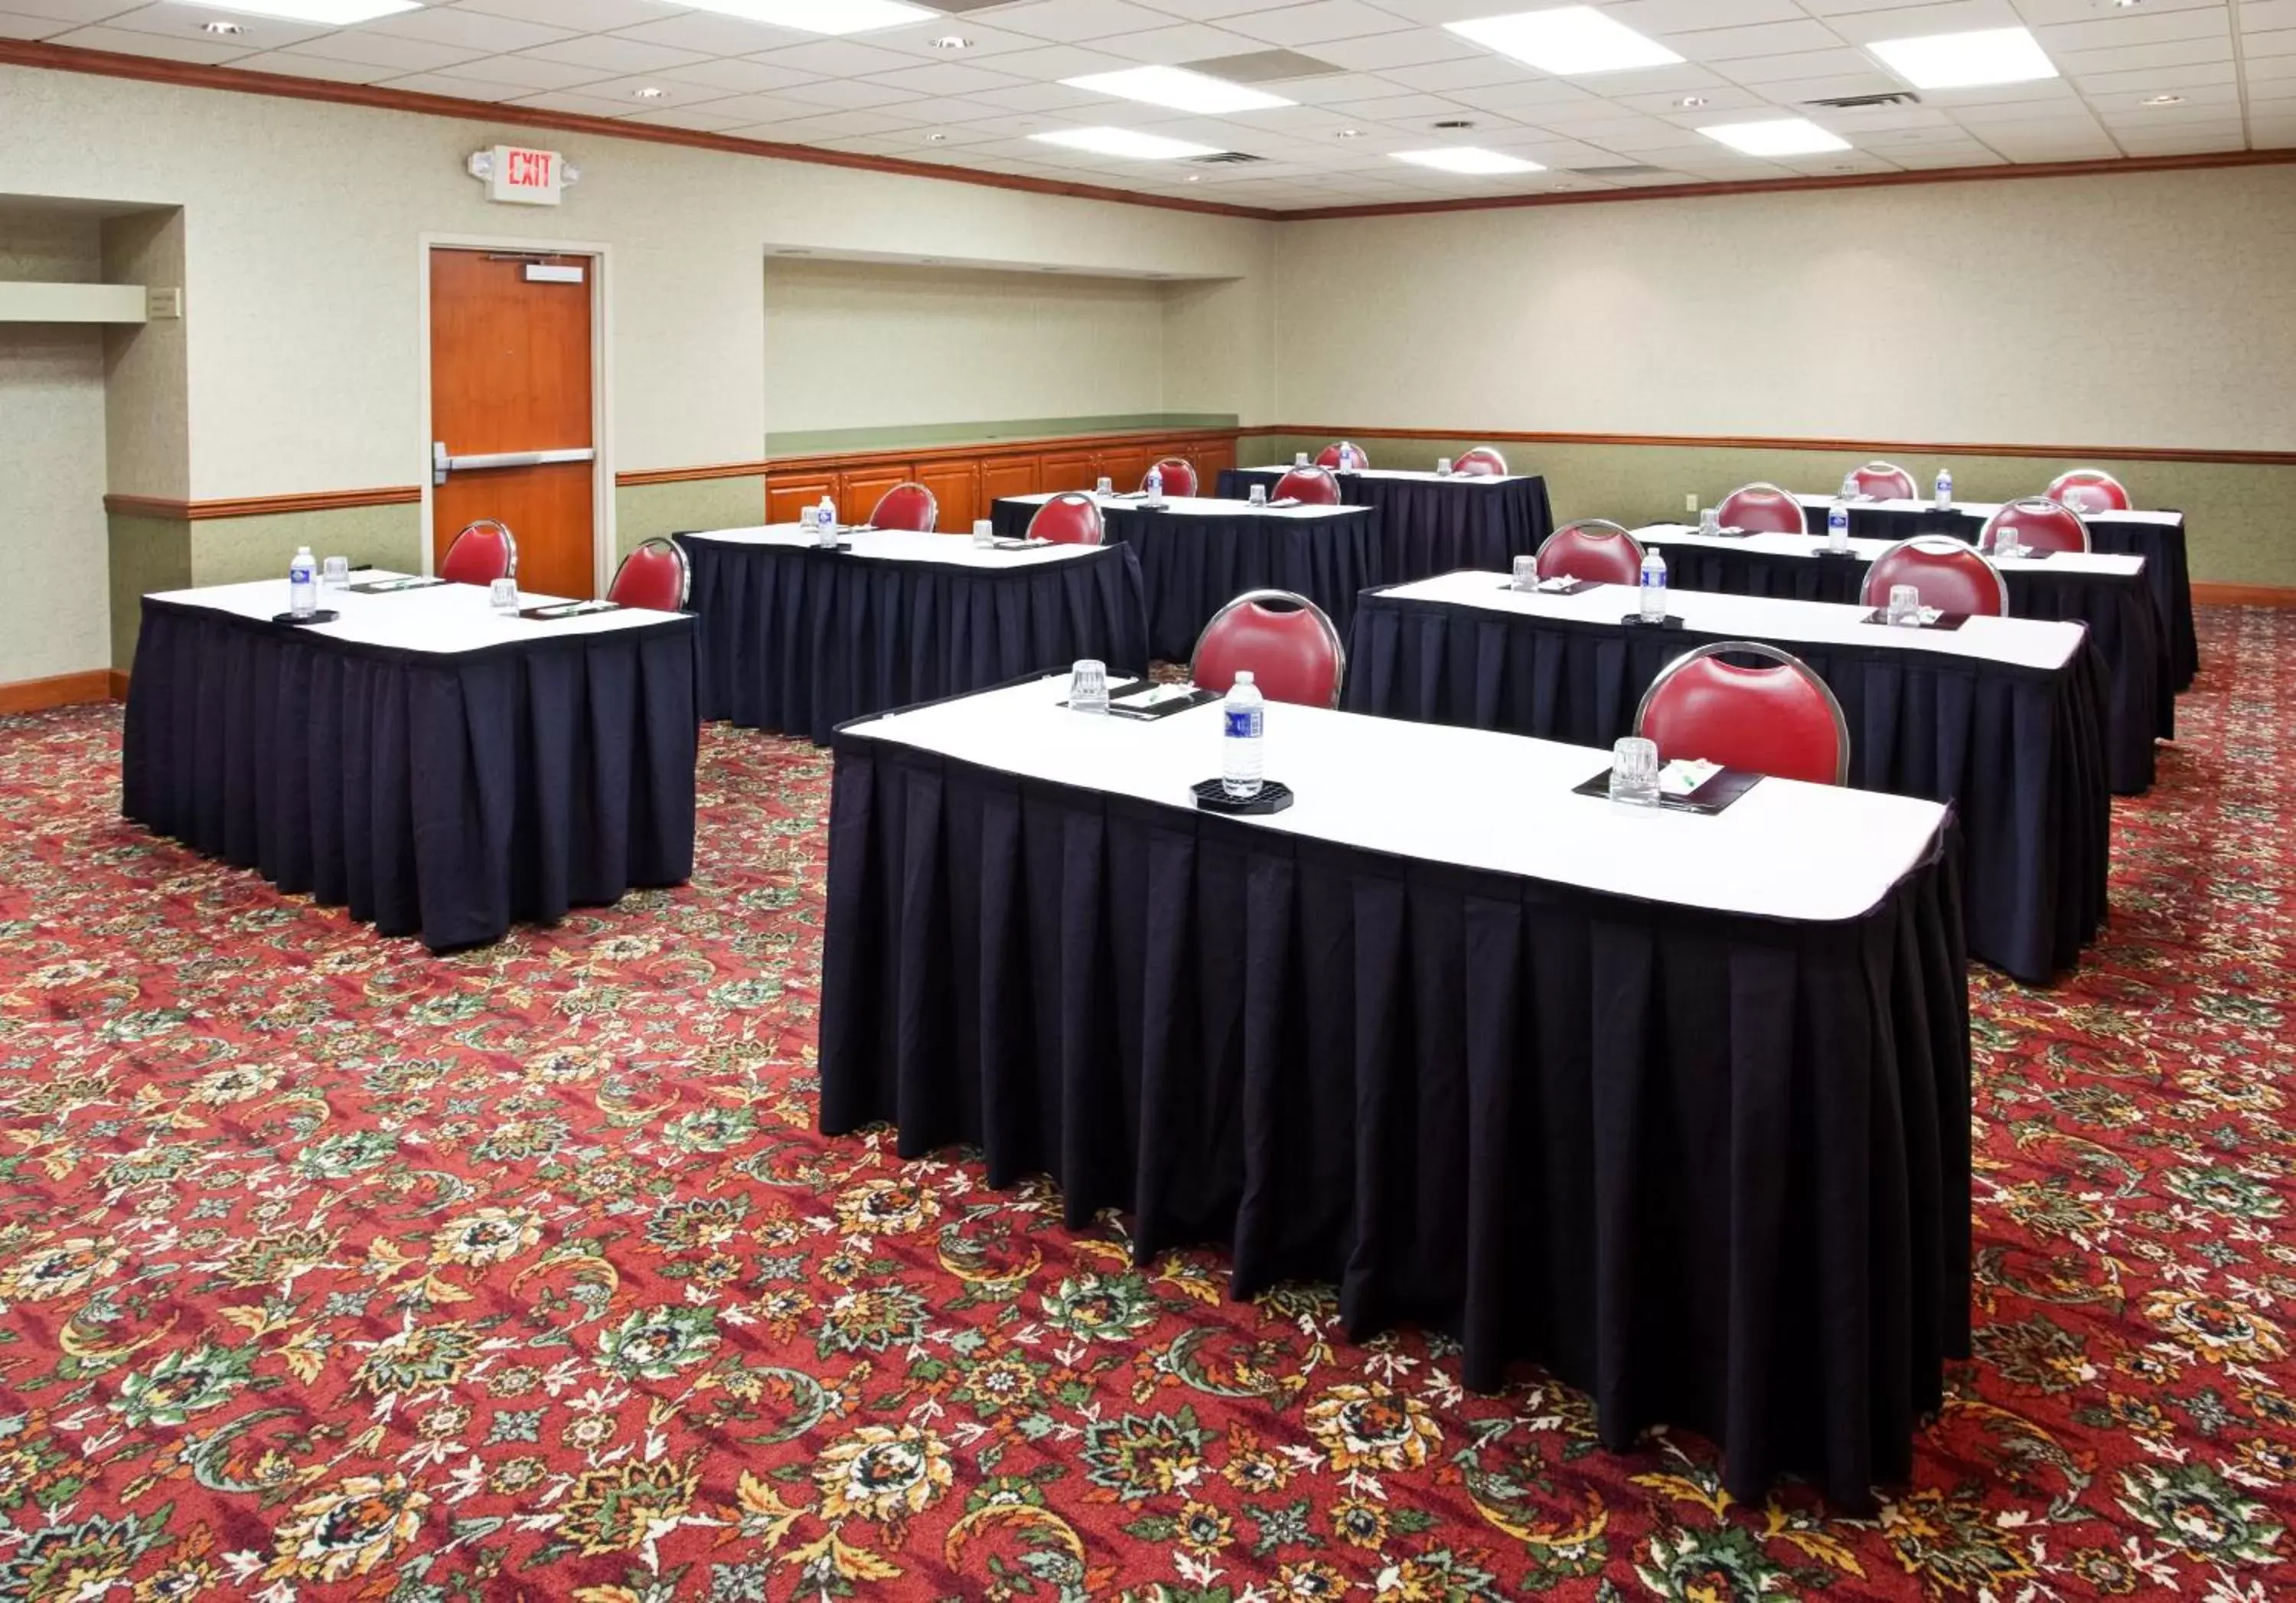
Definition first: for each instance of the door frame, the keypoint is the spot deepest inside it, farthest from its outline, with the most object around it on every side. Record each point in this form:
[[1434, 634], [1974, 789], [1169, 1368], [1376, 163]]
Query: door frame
[[604, 543]]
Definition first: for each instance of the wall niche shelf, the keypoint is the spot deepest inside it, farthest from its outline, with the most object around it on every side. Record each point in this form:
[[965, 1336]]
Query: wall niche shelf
[[31, 303]]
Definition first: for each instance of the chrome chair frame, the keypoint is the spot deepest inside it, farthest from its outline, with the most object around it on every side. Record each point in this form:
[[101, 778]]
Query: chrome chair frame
[[1331, 632], [1913, 485], [1984, 535], [933, 501], [1491, 451], [685, 567], [1785, 659], [509, 539], [1791, 498], [1099, 523], [1609, 529], [1943, 545]]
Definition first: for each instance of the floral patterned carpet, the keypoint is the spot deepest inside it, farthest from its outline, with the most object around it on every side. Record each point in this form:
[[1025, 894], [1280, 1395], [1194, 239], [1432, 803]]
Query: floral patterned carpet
[[328, 1270]]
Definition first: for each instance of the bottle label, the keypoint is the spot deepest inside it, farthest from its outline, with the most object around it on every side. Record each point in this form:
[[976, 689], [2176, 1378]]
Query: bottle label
[[1243, 723]]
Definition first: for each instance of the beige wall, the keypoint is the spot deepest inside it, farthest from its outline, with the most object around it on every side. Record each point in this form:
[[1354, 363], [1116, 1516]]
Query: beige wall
[[2154, 310], [53, 542]]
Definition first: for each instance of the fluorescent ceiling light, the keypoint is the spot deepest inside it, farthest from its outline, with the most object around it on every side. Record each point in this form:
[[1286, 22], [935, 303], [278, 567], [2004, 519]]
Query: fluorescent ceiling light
[[1568, 41], [1964, 61], [820, 16], [338, 12], [1125, 141], [1180, 90], [1784, 137], [1467, 159]]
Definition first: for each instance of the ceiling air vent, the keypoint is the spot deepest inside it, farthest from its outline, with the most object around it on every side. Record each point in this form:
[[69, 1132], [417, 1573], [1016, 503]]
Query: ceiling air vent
[[1261, 67], [1858, 102], [1224, 159]]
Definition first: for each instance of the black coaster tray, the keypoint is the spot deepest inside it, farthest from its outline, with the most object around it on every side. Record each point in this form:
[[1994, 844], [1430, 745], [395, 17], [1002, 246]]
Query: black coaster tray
[[1211, 796], [1636, 620], [1948, 622], [1572, 588], [1709, 800], [324, 615]]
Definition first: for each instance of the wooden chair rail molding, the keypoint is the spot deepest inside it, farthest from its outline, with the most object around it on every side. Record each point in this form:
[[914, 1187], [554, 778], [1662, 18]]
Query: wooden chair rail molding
[[967, 480], [260, 506]]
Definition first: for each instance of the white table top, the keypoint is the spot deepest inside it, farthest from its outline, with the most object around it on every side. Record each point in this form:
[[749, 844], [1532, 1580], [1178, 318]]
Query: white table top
[[2018, 642], [1982, 510], [1203, 506], [904, 545], [1810, 546], [1407, 474], [1496, 802], [441, 620]]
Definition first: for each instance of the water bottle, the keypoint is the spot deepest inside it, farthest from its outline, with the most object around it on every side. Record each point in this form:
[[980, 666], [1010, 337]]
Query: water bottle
[[1154, 487], [1242, 725], [825, 521], [1945, 490], [303, 583], [1837, 527], [1653, 587]]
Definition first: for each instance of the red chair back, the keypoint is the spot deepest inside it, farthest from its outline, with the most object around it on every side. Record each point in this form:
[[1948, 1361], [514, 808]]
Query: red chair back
[[1592, 548], [1951, 576], [1887, 481], [910, 507], [1762, 509], [1179, 476], [2038, 523], [1344, 454], [1311, 486], [1781, 721], [2090, 489], [1070, 519], [1482, 463], [1291, 649], [654, 576], [480, 554]]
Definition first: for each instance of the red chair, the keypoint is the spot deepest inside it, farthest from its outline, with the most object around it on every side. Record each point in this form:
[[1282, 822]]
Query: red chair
[[482, 553], [654, 576], [2090, 489], [2038, 523], [1593, 548], [1761, 509], [1071, 518], [1782, 721], [1346, 455], [1309, 486], [909, 507], [1887, 481], [1290, 646], [1179, 477], [1482, 463], [1951, 576]]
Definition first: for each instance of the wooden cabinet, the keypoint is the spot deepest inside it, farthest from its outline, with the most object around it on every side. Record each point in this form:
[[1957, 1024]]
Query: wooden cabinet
[[786, 498], [1005, 476], [967, 482], [1070, 470], [956, 487], [863, 488]]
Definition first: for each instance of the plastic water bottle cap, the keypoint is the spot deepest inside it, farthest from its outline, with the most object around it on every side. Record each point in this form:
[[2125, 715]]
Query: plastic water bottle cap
[[1243, 676]]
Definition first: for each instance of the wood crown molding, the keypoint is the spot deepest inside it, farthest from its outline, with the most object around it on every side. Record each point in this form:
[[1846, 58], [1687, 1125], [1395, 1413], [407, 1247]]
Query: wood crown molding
[[107, 63], [260, 506], [2271, 596], [64, 690], [2119, 453]]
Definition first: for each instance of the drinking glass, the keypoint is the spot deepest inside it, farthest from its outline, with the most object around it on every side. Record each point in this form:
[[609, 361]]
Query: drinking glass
[[1088, 687], [1258, 494], [335, 573], [1299, 459], [1106, 487], [1526, 573], [1634, 771], [1905, 604], [984, 531], [1442, 467], [503, 594], [1709, 520]]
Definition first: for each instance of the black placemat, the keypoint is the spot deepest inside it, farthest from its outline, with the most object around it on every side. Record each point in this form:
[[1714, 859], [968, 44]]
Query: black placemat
[[1709, 800], [1948, 622], [1572, 588], [558, 610]]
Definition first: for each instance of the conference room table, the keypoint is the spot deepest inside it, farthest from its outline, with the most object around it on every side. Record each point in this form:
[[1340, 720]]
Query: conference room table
[[1433, 522], [1199, 553], [796, 638], [2106, 592], [2157, 537], [2000, 717], [1675, 1105], [439, 769]]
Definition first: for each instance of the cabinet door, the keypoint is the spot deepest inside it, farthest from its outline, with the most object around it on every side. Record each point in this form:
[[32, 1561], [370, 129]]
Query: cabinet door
[[787, 497], [1002, 476], [956, 487], [1070, 470], [864, 487], [1127, 464], [1212, 458]]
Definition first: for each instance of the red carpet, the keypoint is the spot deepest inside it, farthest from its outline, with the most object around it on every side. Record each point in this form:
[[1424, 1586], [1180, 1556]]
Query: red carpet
[[329, 1269]]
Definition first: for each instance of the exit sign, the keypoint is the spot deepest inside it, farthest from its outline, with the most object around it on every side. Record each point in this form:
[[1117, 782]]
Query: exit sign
[[525, 177]]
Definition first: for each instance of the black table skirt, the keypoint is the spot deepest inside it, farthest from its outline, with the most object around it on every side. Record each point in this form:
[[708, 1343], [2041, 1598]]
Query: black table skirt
[[1714, 1169], [797, 641], [1193, 565], [1429, 527], [440, 796], [2167, 572], [2120, 613], [2018, 752]]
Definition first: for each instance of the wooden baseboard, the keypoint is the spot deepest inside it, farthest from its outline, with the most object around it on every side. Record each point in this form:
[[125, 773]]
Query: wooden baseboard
[[2272, 595], [64, 690], [119, 684]]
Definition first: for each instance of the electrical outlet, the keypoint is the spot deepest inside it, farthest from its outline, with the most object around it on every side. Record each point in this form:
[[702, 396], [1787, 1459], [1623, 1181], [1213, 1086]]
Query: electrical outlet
[[1690, 502]]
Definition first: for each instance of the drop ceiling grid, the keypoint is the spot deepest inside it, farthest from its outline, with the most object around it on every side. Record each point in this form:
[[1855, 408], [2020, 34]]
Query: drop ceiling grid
[[1396, 74]]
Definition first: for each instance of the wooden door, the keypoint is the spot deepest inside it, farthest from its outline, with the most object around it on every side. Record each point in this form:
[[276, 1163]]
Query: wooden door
[[511, 377]]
